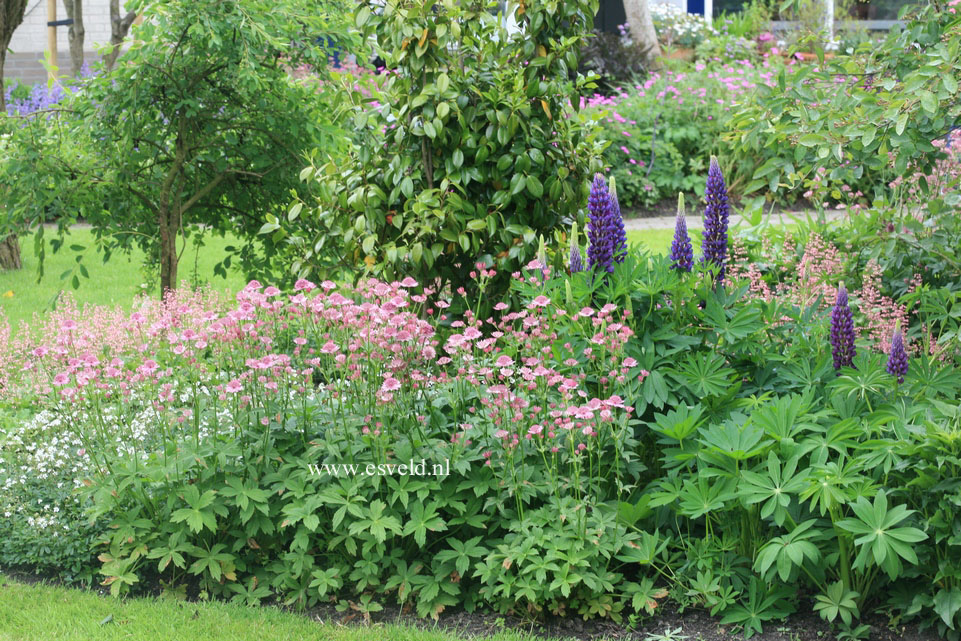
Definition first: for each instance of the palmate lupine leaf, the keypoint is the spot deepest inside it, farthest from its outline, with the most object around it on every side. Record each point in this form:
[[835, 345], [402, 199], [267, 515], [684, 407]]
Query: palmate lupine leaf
[[878, 536], [705, 374], [786, 416], [760, 606], [735, 440], [830, 484], [704, 497], [836, 602], [774, 488], [785, 553]]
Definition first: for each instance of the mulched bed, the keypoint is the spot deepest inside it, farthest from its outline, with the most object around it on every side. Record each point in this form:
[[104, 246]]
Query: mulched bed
[[694, 625]]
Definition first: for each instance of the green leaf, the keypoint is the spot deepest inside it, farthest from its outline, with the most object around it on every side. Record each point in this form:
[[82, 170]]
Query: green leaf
[[535, 187], [950, 83], [947, 603], [363, 15], [901, 123]]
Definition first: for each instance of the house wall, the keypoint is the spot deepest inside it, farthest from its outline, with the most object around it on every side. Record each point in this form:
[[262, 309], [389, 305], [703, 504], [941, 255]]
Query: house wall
[[30, 39]]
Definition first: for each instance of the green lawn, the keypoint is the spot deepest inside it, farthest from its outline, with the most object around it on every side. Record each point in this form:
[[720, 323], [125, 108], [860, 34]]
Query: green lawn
[[117, 282], [111, 284], [45, 613], [658, 241]]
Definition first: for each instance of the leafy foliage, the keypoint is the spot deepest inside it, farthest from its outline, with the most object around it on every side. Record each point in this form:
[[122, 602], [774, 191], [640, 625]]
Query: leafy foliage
[[198, 126], [467, 153]]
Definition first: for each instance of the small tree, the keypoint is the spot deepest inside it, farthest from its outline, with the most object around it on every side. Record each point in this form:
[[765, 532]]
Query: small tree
[[471, 151], [11, 15], [199, 127]]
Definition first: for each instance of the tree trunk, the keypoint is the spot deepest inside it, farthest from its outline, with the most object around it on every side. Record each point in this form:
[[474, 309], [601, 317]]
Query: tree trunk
[[119, 27], [642, 30], [10, 253], [168, 251], [3, 91], [11, 15], [76, 33]]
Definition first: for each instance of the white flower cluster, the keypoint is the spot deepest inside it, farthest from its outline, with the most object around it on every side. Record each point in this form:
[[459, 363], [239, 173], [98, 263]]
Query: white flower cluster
[[54, 452], [677, 27]]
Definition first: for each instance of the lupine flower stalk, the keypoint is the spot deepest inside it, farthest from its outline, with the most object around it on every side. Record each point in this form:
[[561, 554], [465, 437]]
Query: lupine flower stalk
[[898, 357], [715, 220], [682, 253], [618, 233], [576, 263], [600, 227], [842, 330]]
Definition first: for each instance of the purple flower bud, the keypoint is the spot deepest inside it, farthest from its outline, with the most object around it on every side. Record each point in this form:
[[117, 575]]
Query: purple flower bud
[[576, 264], [682, 253], [842, 331], [715, 220], [898, 357]]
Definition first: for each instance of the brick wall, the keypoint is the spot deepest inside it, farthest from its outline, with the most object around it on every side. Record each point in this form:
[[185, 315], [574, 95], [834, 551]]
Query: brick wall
[[30, 39]]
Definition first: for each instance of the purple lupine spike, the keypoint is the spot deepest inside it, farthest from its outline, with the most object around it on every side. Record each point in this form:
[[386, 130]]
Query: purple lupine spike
[[842, 331], [618, 233], [715, 220], [576, 264], [682, 253], [898, 357], [600, 248]]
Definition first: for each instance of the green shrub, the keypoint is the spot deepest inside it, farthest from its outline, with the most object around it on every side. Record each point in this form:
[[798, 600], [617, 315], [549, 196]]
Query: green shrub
[[615, 58], [881, 122], [469, 151], [663, 131]]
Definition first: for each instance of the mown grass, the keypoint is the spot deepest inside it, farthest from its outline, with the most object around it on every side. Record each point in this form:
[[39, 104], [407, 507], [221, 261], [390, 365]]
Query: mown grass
[[114, 283], [46, 613], [120, 280]]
